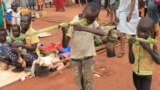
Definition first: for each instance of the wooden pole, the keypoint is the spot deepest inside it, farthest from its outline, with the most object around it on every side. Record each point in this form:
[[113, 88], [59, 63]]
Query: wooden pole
[[3, 13]]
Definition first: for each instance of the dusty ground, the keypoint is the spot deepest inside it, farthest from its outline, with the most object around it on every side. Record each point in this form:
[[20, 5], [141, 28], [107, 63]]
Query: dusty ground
[[117, 73]]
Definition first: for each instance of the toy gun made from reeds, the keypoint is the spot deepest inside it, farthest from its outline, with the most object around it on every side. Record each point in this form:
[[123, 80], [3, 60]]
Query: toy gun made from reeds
[[148, 40], [81, 22]]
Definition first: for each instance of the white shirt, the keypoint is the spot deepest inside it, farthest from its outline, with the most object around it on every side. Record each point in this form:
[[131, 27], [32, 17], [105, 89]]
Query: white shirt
[[16, 17]]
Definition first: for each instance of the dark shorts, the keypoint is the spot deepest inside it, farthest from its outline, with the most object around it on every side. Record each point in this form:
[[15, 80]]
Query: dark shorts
[[142, 82]]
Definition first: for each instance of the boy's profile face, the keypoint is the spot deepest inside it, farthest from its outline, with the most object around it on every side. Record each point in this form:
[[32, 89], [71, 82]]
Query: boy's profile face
[[2, 36], [15, 31]]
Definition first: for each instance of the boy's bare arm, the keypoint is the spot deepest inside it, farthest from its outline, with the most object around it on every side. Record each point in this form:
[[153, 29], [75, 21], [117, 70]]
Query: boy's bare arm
[[131, 54], [97, 31], [65, 38], [153, 52]]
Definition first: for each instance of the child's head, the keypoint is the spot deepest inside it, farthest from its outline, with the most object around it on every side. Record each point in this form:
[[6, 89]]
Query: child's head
[[25, 22], [15, 30], [3, 35], [145, 28], [91, 12], [14, 6]]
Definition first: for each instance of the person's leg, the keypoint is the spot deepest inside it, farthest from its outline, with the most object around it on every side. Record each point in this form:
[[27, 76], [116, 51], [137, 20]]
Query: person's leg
[[42, 7], [122, 42], [87, 69], [38, 7], [76, 67], [33, 7], [146, 83], [29, 58], [136, 81], [46, 5], [50, 3]]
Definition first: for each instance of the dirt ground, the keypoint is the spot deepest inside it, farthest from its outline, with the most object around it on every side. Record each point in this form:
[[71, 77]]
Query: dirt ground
[[116, 72]]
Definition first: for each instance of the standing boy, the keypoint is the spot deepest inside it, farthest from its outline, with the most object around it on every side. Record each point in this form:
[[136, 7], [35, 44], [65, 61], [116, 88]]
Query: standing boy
[[82, 47], [143, 55]]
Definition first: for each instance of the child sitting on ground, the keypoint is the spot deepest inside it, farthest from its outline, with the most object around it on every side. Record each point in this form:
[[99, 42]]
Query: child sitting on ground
[[15, 34], [7, 53], [143, 55]]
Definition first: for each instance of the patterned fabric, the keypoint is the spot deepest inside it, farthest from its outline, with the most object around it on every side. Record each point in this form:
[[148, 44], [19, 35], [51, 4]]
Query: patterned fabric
[[10, 54], [30, 57], [1, 51]]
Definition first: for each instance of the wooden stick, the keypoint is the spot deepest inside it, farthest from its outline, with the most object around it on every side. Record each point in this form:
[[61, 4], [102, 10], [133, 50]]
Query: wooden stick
[[4, 21]]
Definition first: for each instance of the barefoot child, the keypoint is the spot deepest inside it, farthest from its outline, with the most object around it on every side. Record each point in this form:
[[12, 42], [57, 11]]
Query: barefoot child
[[82, 47], [8, 54], [15, 34], [143, 55]]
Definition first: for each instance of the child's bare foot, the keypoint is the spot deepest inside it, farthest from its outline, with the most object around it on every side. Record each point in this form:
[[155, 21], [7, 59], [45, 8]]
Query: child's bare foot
[[121, 54]]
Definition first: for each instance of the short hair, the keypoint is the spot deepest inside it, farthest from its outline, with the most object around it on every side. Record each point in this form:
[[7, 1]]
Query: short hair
[[146, 23], [93, 7], [29, 16]]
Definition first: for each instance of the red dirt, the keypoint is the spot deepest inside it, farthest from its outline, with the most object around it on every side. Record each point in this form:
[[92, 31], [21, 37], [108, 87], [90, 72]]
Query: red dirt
[[117, 72]]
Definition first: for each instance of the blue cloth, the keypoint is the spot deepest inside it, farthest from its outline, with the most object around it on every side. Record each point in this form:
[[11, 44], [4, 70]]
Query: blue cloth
[[8, 16], [65, 50]]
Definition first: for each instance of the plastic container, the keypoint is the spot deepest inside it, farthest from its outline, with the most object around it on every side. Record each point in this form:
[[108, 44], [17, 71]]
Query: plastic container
[[110, 49]]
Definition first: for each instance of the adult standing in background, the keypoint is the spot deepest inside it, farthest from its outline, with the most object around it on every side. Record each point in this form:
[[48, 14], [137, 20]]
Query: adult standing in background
[[128, 15], [22, 3], [98, 2], [32, 4], [59, 4], [154, 13]]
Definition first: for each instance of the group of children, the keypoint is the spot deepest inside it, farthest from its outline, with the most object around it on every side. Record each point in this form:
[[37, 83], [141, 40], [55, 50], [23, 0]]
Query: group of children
[[17, 51], [142, 55]]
